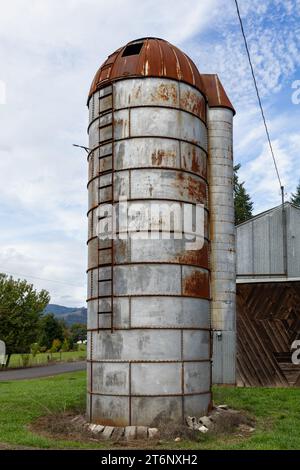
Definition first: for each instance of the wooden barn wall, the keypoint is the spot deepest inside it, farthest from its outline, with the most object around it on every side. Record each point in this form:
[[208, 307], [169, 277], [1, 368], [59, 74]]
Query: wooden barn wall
[[268, 321]]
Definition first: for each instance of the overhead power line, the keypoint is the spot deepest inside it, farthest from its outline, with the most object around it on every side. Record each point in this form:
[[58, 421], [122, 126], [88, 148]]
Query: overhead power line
[[35, 277], [259, 100]]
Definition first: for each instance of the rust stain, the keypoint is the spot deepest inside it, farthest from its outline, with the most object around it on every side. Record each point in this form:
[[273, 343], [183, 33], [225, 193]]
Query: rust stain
[[110, 422], [138, 92], [195, 162], [167, 93], [196, 189], [193, 103], [159, 156], [195, 257], [197, 284]]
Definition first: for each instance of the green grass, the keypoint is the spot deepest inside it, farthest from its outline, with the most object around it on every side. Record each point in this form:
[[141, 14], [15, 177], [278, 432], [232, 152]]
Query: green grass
[[277, 414], [46, 358]]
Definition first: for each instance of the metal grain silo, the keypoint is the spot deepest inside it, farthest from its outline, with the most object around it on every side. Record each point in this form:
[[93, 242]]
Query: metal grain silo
[[149, 345]]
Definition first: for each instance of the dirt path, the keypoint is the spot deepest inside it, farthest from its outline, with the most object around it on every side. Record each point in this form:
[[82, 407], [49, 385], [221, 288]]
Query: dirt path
[[41, 371]]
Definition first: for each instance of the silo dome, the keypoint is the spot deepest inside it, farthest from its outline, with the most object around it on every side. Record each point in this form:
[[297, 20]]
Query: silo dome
[[148, 57]]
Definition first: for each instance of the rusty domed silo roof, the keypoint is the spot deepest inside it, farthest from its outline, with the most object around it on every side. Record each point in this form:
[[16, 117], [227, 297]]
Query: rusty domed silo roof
[[151, 57]]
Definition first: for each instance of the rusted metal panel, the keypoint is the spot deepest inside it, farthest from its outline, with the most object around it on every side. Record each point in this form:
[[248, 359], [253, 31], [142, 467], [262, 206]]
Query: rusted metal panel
[[147, 92], [267, 324], [195, 282], [193, 159], [165, 184], [216, 95], [157, 58], [164, 251], [193, 101], [147, 152]]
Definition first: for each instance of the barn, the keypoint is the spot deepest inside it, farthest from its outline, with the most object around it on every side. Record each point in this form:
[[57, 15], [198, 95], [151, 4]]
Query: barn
[[268, 298]]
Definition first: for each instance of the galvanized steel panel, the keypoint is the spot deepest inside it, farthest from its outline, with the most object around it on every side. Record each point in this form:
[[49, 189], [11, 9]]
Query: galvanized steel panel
[[110, 378], [224, 357], [110, 410], [164, 312], [147, 280], [196, 345], [197, 405], [94, 134], [156, 410], [168, 123], [129, 345], [197, 377], [156, 379]]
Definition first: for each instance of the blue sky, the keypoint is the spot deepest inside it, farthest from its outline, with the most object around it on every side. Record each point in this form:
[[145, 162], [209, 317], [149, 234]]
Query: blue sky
[[49, 53]]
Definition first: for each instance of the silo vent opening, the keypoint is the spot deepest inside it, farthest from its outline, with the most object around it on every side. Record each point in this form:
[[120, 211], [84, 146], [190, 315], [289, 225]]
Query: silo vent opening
[[133, 49]]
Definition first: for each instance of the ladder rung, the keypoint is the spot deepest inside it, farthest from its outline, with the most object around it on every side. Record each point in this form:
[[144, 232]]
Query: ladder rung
[[105, 186], [104, 280], [102, 313]]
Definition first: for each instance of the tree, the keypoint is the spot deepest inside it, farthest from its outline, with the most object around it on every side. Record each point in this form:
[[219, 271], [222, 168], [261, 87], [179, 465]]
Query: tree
[[50, 329], [21, 307], [243, 206], [295, 198], [78, 332], [56, 345], [65, 346]]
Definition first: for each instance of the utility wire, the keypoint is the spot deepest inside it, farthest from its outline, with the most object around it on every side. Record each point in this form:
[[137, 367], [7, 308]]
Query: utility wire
[[259, 99], [38, 278]]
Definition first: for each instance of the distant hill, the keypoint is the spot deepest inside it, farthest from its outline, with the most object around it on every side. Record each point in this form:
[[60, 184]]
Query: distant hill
[[69, 314]]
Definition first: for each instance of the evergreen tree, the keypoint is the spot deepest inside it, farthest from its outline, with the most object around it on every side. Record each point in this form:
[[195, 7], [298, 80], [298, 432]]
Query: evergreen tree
[[50, 329], [243, 205], [295, 199]]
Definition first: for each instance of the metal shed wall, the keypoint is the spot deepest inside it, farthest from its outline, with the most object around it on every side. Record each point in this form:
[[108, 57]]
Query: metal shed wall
[[261, 245]]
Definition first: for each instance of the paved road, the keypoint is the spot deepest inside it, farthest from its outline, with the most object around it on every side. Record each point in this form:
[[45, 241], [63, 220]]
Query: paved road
[[41, 371]]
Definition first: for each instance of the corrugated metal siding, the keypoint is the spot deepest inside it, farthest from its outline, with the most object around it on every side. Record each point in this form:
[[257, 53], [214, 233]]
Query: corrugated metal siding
[[224, 357], [260, 244], [293, 219]]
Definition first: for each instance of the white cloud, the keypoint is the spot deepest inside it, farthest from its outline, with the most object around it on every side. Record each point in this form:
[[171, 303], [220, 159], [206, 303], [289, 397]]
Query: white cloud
[[49, 52]]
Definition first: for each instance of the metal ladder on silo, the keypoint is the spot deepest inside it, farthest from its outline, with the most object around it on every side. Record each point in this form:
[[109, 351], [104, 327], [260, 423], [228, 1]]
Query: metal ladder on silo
[[111, 201]]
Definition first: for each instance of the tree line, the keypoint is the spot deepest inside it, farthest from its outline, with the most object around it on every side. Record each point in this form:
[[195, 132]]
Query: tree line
[[23, 325]]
